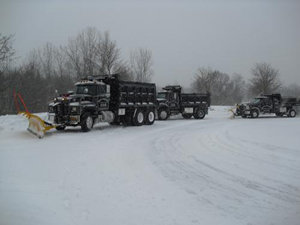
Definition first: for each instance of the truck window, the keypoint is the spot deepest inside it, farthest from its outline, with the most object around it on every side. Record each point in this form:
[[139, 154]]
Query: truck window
[[256, 100], [102, 89], [162, 95], [86, 89]]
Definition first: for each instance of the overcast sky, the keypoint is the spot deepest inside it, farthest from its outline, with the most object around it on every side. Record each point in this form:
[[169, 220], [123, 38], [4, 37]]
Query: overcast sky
[[228, 35]]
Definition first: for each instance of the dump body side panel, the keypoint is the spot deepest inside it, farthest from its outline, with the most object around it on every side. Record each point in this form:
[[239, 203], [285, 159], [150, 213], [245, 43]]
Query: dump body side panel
[[125, 94]]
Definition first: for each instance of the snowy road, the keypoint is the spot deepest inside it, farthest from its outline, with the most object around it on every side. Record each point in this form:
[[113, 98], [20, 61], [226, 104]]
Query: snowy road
[[211, 171]]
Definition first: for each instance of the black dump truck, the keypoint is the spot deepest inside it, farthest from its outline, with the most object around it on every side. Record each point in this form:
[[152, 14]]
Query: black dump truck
[[104, 99], [267, 104], [171, 101]]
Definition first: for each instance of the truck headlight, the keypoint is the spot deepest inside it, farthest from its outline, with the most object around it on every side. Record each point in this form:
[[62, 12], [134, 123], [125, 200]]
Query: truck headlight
[[74, 109]]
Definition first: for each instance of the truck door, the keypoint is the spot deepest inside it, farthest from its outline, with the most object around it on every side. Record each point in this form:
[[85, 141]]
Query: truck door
[[102, 98], [267, 105], [174, 101]]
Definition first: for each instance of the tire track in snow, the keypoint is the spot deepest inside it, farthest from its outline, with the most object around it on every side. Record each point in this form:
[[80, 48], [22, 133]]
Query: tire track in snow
[[198, 175]]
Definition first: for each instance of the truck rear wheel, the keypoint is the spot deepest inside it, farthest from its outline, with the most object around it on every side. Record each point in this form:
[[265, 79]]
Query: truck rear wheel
[[163, 114], [87, 122], [138, 118], [150, 117], [186, 116], [292, 113], [199, 114]]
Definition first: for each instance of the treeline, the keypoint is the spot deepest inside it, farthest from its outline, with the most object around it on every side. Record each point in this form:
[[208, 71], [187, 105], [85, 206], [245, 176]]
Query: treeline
[[92, 52], [229, 90], [53, 67]]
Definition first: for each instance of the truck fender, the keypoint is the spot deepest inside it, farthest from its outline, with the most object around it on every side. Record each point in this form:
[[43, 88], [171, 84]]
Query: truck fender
[[256, 109], [163, 105]]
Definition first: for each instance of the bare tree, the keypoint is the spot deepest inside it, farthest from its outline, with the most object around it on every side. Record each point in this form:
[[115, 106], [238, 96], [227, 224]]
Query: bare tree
[[265, 79], [291, 90], [6, 51], [109, 55], [91, 54], [141, 64], [223, 88], [124, 71], [204, 79], [82, 53], [238, 88], [47, 56]]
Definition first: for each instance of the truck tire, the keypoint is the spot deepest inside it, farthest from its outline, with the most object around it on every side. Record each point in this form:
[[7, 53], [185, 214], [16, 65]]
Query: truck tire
[[150, 117], [86, 122], [60, 127], [163, 114], [254, 113], [187, 115], [199, 114], [292, 113], [138, 118]]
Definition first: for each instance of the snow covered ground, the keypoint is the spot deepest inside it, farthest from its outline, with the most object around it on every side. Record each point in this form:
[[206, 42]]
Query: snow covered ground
[[212, 171]]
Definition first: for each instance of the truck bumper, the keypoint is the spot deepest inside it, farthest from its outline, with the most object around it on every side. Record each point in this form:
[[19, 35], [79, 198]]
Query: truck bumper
[[71, 120]]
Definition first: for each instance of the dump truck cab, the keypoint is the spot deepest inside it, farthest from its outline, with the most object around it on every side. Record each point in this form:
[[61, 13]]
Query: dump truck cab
[[268, 104], [90, 97], [170, 97]]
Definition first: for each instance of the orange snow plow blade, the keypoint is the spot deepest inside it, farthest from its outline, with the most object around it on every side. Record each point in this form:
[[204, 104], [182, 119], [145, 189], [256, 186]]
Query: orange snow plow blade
[[37, 126]]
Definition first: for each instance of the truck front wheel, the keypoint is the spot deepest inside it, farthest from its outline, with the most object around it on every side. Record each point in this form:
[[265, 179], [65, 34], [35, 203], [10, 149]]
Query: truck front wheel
[[150, 117], [138, 118], [254, 113], [87, 122], [163, 114], [199, 114]]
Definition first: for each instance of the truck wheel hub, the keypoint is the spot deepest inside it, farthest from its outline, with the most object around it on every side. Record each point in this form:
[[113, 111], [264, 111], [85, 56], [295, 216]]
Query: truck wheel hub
[[89, 122], [200, 113], [151, 116], [140, 117], [293, 113], [163, 114]]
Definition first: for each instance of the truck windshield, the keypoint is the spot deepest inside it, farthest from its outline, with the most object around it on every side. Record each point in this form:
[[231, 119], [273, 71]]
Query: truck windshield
[[87, 89], [256, 100], [162, 95]]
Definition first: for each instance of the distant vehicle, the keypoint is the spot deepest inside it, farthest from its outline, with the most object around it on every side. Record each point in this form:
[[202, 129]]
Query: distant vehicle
[[267, 104], [172, 102], [104, 99]]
